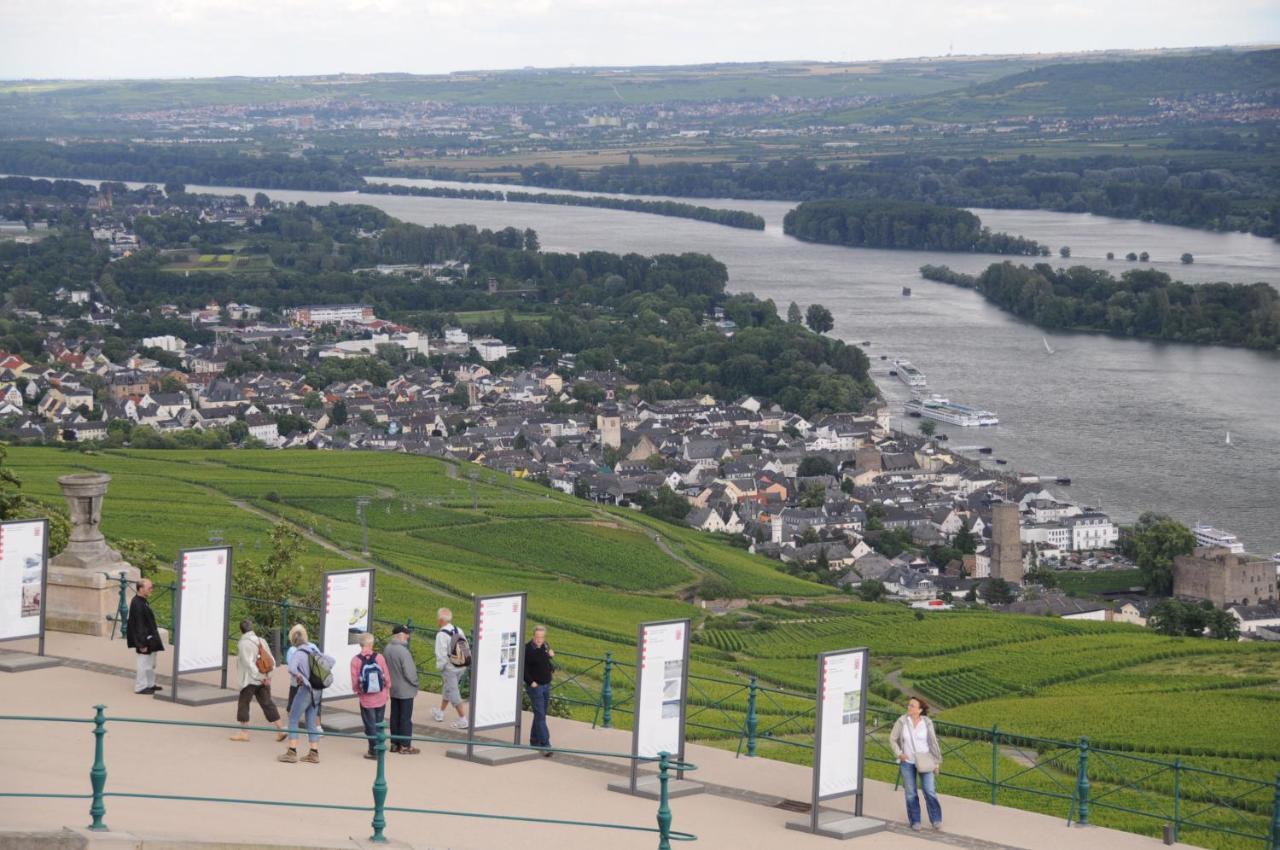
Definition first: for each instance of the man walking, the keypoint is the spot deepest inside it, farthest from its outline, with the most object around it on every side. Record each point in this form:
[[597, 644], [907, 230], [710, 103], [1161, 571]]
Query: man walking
[[404, 687], [370, 679], [256, 663], [143, 637], [538, 669], [452, 657]]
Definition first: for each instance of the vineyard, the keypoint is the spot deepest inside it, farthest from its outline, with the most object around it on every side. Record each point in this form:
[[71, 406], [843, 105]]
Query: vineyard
[[440, 533]]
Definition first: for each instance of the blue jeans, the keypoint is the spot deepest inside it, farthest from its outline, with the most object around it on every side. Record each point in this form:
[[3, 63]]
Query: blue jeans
[[372, 719], [539, 696], [929, 785], [305, 704]]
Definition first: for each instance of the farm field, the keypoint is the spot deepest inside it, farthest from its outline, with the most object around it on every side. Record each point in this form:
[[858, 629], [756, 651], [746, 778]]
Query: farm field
[[440, 532]]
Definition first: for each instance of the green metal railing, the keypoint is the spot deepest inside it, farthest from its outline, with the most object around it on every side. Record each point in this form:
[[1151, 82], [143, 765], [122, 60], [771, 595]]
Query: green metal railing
[[1073, 778], [378, 809]]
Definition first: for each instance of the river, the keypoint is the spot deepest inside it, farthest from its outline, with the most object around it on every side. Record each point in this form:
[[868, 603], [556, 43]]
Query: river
[[1136, 425]]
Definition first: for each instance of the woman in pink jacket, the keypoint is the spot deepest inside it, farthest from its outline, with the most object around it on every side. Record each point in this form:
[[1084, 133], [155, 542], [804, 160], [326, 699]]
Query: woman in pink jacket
[[372, 682]]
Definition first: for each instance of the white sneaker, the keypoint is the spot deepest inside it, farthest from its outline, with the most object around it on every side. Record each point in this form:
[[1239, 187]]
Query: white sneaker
[[460, 723], [319, 728], [437, 715]]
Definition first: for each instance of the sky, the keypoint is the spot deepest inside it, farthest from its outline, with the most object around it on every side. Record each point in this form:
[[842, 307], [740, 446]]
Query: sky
[[41, 39]]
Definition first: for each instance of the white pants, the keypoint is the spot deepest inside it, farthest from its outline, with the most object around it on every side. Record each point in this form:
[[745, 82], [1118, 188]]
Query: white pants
[[146, 677]]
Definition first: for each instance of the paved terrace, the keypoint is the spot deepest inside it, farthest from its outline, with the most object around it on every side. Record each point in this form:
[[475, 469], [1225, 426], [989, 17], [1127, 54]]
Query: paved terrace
[[739, 812]]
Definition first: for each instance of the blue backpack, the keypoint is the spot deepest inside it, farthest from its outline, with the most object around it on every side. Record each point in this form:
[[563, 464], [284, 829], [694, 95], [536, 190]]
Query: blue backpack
[[370, 675]]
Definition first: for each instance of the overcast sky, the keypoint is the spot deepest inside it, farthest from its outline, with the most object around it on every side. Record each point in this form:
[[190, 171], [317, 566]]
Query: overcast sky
[[197, 38]]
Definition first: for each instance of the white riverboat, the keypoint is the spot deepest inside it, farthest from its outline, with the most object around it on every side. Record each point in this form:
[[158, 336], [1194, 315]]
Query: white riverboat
[[908, 374], [944, 410], [1207, 535]]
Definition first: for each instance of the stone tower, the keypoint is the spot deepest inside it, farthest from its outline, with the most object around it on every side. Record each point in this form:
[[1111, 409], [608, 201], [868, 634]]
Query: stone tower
[[1006, 543], [82, 588], [609, 423]]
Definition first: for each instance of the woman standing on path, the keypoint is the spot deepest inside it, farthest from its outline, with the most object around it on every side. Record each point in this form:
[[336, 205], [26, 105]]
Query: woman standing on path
[[307, 699], [915, 744]]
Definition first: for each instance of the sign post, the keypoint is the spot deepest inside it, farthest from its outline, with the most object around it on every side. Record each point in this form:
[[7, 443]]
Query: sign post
[[838, 745], [24, 579], [347, 610], [497, 677], [201, 617], [662, 689]]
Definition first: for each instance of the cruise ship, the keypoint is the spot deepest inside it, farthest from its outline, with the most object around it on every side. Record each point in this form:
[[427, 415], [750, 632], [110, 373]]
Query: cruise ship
[[943, 410], [1207, 535], [908, 374]]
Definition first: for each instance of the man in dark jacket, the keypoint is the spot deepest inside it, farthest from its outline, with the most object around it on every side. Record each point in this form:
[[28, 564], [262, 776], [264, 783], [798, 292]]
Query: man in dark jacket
[[538, 668], [404, 687], [143, 636]]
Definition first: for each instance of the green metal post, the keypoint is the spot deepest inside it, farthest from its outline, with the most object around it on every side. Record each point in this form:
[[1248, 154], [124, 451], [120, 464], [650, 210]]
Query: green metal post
[[98, 773], [1177, 798], [1275, 817], [606, 692], [995, 762], [1082, 784], [753, 719], [122, 607], [664, 805], [380, 786], [284, 629]]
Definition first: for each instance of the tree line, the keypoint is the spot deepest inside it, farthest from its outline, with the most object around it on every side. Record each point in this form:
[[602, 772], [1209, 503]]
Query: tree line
[[900, 224], [1140, 303], [1185, 191], [214, 166], [729, 218]]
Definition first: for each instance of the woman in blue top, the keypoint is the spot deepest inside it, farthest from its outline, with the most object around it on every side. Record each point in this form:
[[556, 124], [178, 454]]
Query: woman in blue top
[[306, 701]]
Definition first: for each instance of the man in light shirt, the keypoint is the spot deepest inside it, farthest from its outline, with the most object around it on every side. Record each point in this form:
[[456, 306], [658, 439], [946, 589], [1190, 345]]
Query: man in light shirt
[[450, 673]]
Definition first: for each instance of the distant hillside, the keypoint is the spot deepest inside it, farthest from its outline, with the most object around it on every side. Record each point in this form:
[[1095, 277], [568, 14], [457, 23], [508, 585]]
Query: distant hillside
[[1089, 88]]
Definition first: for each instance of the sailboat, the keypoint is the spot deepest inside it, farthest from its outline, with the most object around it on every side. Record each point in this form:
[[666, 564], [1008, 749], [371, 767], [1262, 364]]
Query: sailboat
[[1228, 438], [1046, 344]]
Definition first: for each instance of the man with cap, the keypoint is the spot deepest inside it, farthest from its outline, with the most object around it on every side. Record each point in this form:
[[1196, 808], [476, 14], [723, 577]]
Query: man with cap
[[404, 687]]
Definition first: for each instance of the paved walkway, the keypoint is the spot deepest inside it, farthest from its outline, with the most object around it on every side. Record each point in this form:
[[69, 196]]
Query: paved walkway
[[202, 762]]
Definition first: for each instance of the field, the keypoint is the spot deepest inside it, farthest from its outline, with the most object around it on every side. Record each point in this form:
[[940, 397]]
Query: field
[[439, 533], [189, 261]]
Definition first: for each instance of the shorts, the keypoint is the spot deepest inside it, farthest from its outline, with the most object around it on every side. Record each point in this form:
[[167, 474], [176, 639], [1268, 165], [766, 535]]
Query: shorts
[[449, 689]]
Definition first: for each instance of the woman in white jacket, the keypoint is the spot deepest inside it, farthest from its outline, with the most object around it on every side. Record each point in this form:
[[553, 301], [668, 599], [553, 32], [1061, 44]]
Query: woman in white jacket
[[915, 744]]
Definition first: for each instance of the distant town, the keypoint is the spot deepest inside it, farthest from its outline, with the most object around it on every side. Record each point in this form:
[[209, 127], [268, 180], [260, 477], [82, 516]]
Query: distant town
[[841, 498]]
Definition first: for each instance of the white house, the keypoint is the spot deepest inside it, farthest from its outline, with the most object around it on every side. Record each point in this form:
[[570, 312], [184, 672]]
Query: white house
[[1092, 530], [456, 336], [263, 427], [1253, 617], [491, 349]]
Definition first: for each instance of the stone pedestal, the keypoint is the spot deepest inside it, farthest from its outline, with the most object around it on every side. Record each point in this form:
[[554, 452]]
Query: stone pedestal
[[80, 596]]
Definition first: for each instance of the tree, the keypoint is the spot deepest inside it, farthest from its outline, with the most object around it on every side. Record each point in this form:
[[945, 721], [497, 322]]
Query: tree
[[338, 415], [813, 496], [819, 319], [1042, 576], [581, 489], [870, 590], [794, 315], [928, 427], [1111, 255], [714, 587], [1223, 625], [813, 465], [1064, 252], [460, 397], [265, 583], [1144, 256], [996, 591], [1167, 618], [1155, 547], [174, 188], [668, 505], [1187, 259], [964, 542], [1131, 257], [261, 201], [142, 554], [531, 239]]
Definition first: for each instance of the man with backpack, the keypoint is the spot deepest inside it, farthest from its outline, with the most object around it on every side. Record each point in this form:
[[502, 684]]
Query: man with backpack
[[312, 670], [371, 681], [256, 664], [453, 657]]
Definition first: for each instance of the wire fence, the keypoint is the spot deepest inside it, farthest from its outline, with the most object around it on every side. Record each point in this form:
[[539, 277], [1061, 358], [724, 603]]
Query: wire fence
[[1072, 779]]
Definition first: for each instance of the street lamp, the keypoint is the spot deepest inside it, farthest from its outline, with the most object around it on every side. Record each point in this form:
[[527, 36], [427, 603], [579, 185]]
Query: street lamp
[[362, 503]]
